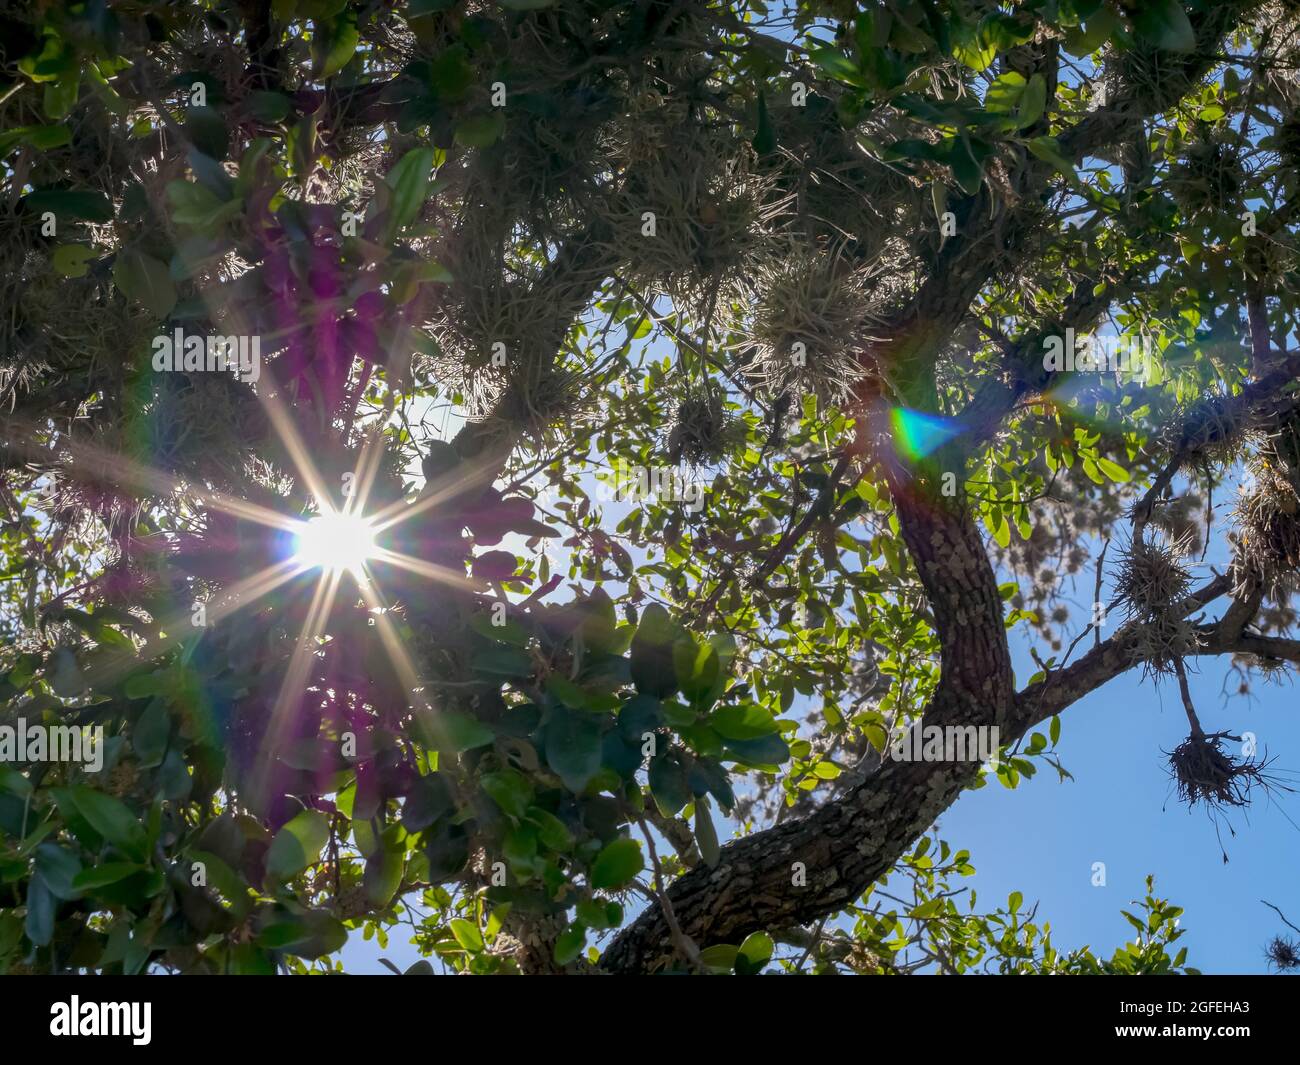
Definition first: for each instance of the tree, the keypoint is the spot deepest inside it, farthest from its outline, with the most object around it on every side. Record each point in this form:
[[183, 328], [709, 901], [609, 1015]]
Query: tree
[[887, 319]]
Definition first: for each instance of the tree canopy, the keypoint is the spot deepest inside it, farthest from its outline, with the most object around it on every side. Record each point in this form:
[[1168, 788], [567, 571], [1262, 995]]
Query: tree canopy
[[468, 460]]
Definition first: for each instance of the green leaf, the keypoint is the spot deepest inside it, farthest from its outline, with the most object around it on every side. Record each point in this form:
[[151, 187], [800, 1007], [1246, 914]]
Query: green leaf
[[111, 819], [384, 869], [81, 204], [196, 205], [1049, 150], [503, 662], [1113, 470], [838, 66], [71, 260], [58, 867], [551, 830], [1032, 102], [410, 184], [1164, 24], [42, 138], [333, 45], [573, 747], [972, 46], [754, 953], [207, 131], [706, 835], [764, 751], [297, 845], [743, 721], [720, 957], [764, 136], [696, 667], [1005, 93], [39, 924], [668, 783], [570, 943], [144, 279], [269, 107], [453, 732], [653, 667], [996, 522], [467, 935], [617, 864], [967, 169], [481, 131], [150, 735], [98, 876], [509, 789]]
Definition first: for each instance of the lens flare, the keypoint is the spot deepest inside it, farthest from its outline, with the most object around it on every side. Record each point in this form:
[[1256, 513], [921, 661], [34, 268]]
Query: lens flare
[[336, 541], [916, 434]]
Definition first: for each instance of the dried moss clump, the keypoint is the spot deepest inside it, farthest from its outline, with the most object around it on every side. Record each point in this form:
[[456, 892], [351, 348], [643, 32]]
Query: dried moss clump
[[692, 215], [1209, 177], [812, 313], [1152, 584], [1267, 518], [1283, 954], [702, 431], [1204, 772]]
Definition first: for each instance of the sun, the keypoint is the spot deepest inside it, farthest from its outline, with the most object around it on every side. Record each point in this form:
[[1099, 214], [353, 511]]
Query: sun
[[335, 541]]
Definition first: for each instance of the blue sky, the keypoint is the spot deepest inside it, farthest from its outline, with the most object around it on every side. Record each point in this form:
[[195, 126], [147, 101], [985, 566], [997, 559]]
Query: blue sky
[[1043, 838]]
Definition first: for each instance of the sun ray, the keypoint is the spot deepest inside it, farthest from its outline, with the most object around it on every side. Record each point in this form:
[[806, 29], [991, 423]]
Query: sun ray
[[92, 461], [287, 431], [478, 475], [423, 568], [293, 684], [367, 472], [397, 653], [175, 629]]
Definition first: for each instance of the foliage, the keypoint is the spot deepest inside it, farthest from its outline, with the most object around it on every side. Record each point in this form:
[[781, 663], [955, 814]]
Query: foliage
[[807, 259]]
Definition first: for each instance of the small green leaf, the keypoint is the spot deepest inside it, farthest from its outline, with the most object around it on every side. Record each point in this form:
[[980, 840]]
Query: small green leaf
[[570, 943], [297, 845], [1032, 102], [1113, 470], [111, 819], [706, 835], [509, 789], [196, 205], [467, 935], [71, 260], [144, 279], [98, 876], [80, 204], [410, 184], [1005, 93], [481, 131], [333, 45], [617, 864], [754, 953], [1165, 24]]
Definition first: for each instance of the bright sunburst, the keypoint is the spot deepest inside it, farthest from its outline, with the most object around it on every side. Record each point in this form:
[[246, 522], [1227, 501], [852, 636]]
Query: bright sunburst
[[336, 541]]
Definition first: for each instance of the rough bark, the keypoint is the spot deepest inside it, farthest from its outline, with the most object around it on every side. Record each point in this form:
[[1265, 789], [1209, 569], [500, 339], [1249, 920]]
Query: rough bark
[[804, 869]]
